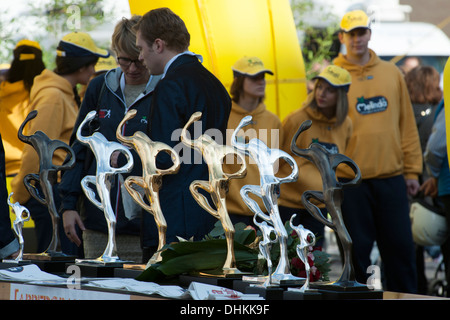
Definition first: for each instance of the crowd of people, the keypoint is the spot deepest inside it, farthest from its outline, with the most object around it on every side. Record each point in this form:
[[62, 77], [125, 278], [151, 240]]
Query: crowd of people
[[360, 105]]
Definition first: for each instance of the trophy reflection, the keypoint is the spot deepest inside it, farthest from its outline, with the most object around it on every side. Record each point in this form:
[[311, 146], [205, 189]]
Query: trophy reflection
[[331, 196], [47, 177], [307, 239], [151, 180], [105, 174], [269, 192], [217, 186], [22, 215]]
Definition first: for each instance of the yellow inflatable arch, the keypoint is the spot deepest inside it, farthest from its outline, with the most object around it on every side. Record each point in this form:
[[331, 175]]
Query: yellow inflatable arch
[[224, 31]]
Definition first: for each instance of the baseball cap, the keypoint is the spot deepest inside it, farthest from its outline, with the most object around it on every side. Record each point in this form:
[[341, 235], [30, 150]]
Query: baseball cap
[[104, 64], [336, 76], [250, 66], [355, 19], [28, 43], [79, 44], [27, 50]]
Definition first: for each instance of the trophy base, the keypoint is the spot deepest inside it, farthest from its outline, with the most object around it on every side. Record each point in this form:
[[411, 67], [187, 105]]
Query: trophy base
[[10, 263], [296, 294], [224, 273], [346, 290], [129, 271], [48, 256], [98, 269], [50, 261], [226, 282], [266, 292], [277, 280]]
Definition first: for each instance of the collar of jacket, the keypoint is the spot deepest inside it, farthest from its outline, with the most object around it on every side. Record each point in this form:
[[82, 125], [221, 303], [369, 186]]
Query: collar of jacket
[[113, 76]]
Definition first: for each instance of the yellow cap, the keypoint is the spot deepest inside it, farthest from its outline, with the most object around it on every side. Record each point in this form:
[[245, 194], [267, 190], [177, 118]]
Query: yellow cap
[[336, 76], [79, 44], [250, 66], [355, 19], [105, 64], [28, 43]]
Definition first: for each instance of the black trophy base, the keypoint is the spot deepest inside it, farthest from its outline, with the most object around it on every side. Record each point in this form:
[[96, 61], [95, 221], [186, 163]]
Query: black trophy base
[[129, 271], [5, 264], [220, 281], [311, 294], [346, 290], [268, 293], [98, 270], [51, 262]]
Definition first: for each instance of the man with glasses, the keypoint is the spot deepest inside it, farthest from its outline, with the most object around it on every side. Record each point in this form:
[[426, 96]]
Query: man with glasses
[[185, 87], [128, 87]]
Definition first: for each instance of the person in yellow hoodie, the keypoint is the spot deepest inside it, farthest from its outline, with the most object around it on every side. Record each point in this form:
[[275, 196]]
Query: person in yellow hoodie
[[247, 94], [385, 145], [14, 99], [54, 96], [327, 107]]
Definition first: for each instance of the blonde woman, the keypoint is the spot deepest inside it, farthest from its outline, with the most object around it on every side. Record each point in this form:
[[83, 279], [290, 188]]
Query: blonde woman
[[327, 107]]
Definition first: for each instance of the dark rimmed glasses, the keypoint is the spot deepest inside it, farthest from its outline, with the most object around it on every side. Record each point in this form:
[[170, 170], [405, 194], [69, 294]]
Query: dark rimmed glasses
[[126, 62]]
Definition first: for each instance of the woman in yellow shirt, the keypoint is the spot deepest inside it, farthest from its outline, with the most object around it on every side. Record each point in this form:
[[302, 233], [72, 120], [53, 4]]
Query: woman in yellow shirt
[[15, 97], [327, 107], [247, 94]]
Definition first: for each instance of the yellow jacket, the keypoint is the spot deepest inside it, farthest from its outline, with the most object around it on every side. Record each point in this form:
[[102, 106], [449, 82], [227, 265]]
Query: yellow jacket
[[385, 141], [53, 98], [266, 127], [14, 107], [323, 131]]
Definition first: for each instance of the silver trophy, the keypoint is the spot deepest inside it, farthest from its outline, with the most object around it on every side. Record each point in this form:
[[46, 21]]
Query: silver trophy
[[269, 192], [331, 196], [217, 187], [22, 215], [269, 237], [47, 177], [307, 239], [103, 150], [151, 180]]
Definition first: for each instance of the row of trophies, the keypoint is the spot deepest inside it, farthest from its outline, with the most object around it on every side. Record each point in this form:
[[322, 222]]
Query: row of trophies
[[268, 221]]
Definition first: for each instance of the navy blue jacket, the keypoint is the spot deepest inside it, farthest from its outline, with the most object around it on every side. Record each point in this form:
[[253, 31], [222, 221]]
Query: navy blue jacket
[[187, 87], [8, 241], [112, 109]]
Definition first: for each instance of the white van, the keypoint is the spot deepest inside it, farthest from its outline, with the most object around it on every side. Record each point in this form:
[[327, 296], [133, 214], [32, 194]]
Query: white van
[[397, 40]]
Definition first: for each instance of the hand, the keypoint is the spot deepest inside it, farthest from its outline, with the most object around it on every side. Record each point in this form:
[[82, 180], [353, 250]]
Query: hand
[[412, 186], [429, 187], [71, 218]]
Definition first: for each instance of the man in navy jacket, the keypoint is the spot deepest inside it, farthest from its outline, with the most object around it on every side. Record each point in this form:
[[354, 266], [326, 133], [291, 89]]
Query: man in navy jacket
[[186, 86]]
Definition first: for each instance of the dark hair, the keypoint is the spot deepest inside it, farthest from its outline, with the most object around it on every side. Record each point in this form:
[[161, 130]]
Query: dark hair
[[68, 65], [162, 23], [237, 87], [28, 69]]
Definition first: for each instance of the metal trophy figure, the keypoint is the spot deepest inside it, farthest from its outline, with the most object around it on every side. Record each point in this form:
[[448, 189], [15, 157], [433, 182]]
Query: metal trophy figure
[[217, 186], [266, 245], [307, 239], [331, 196], [269, 192], [47, 177], [103, 150], [151, 180], [22, 215]]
